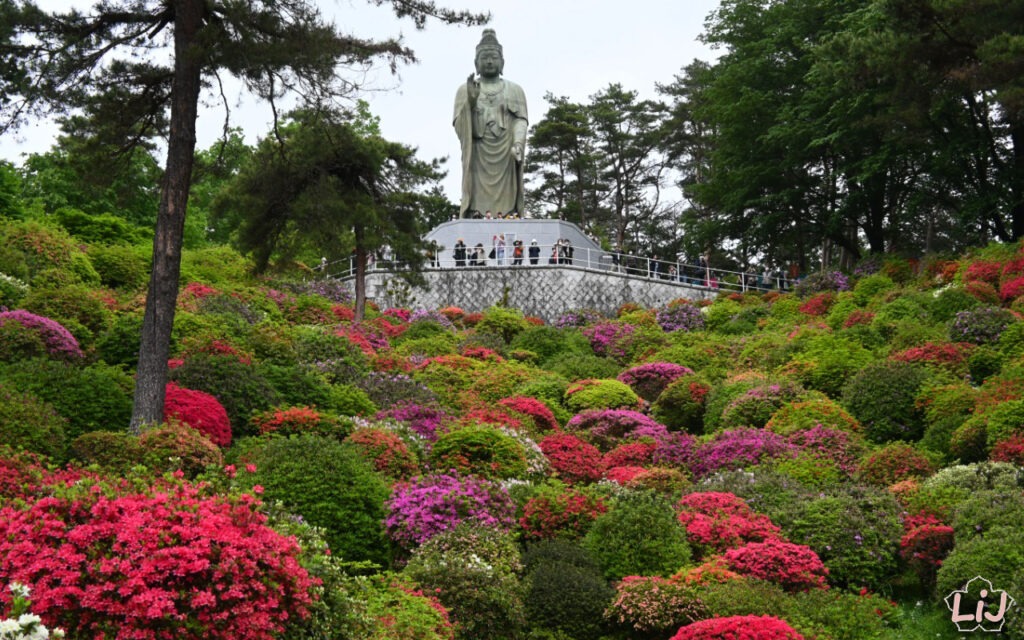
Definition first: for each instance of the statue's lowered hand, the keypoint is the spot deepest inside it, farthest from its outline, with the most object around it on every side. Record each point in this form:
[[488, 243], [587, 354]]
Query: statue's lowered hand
[[517, 151]]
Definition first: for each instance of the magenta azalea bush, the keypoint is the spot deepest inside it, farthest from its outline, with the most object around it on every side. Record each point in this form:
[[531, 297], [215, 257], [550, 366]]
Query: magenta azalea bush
[[606, 428], [650, 379], [609, 338], [739, 448], [58, 341], [680, 317], [426, 506], [425, 420]]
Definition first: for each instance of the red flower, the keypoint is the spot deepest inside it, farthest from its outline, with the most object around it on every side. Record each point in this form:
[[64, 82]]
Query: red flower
[[199, 410]]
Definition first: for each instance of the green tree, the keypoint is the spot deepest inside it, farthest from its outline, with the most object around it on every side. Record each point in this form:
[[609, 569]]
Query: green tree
[[98, 61], [330, 183]]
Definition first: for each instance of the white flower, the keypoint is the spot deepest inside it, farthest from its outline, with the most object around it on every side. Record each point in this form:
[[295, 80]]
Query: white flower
[[20, 590]]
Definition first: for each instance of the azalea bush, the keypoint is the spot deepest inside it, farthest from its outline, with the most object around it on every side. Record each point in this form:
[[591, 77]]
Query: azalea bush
[[57, 340], [739, 448], [572, 459], [425, 420], [565, 592], [386, 450], [716, 521], [420, 509], [982, 325], [894, 462], [681, 316], [600, 394], [882, 398], [794, 567], [561, 512], [480, 450], [543, 418], [653, 605], [28, 423], [738, 628], [608, 428], [286, 421], [754, 407], [223, 574], [199, 410], [238, 386], [682, 404], [650, 379]]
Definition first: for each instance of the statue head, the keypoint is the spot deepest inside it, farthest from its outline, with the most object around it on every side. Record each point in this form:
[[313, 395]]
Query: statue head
[[489, 60]]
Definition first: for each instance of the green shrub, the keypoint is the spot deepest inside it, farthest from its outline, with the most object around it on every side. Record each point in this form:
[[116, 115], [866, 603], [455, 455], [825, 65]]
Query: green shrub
[[121, 266], [330, 485], [881, 396], [869, 287], [502, 321], [1004, 420], [987, 511], [480, 449], [856, 533], [721, 314], [944, 492], [30, 424], [176, 446], [565, 590], [549, 342], [721, 396], [744, 596], [338, 358], [969, 441], [12, 290], [427, 347], [119, 343], [997, 556], [840, 311], [18, 342], [114, 451], [77, 307], [755, 407], [802, 415], [238, 386], [422, 329], [398, 610], [583, 366], [639, 535], [349, 400], [92, 398], [774, 494], [826, 362], [600, 394], [682, 404], [810, 470], [475, 570], [985, 362], [947, 302], [30, 248], [105, 228], [894, 462], [215, 266]]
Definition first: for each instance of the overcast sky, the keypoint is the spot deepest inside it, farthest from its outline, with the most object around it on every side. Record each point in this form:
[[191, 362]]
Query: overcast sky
[[571, 48]]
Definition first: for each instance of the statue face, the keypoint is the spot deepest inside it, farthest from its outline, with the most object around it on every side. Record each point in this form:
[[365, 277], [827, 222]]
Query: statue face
[[489, 62]]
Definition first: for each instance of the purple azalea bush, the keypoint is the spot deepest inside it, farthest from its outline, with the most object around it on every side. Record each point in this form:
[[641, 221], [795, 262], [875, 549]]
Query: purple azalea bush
[[577, 318], [606, 428], [425, 420], [428, 505], [431, 316], [650, 379], [680, 317], [738, 448], [982, 325], [823, 281], [58, 340], [609, 338]]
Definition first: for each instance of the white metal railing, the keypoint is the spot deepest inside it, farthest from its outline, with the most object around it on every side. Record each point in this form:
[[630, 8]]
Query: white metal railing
[[548, 256]]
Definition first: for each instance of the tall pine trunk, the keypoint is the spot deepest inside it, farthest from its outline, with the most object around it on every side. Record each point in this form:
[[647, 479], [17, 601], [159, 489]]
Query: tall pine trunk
[[162, 297]]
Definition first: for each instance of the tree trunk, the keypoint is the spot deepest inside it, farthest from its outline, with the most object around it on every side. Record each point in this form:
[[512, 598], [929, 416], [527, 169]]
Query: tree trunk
[[162, 297]]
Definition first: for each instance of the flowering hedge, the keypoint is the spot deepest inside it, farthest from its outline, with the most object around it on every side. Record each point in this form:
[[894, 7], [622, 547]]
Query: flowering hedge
[[794, 567], [167, 563], [650, 379], [58, 341], [572, 459], [199, 410], [739, 628], [717, 521], [420, 509]]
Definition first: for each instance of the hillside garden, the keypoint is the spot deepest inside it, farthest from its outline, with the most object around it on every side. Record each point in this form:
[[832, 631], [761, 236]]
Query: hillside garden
[[828, 463]]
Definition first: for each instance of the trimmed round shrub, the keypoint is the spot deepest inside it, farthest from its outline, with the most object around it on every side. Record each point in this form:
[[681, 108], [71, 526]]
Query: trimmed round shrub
[[824, 445], [114, 451], [754, 407], [18, 342], [78, 307], [998, 556], [544, 420], [856, 533], [57, 341], [481, 450], [666, 481], [400, 610], [738, 628], [969, 441], [982, 325], [121, 266], [549, 342], [882, 397], [565, 591], [199, 410], [717, 521], [607, 428], [331, 486], [894, 462], [986, 511], [428, 505], [583, 367], [560, 512], [739, 448], [92, 398], [30, 424], [949, 301], [808, 414], [175, 446], [681, 405], [386, 450], [638, 536], [794, 567], [572, 459], [1003, 421], [600, 394], [651, 605], [473, 571], [287, 421], [238, 386], [650, 379], [223, 573], [119, 343]]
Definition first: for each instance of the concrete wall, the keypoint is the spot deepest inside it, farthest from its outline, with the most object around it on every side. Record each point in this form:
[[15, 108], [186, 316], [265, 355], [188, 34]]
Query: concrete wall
[[543, 291]]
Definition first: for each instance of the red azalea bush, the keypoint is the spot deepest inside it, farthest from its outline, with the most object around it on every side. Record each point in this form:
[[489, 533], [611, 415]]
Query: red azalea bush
[[631, 454], [716, 521], [925, 545], [794, 567], [560, 514], [982, 291], [623, 475], [491, 416], [386, 451], [949, 355], [168, 563], [650, 379], [858, 317], [543, 418], [1012, 289], [1009, 450], [212, 347], [984, 271], [818, 305], [739, 628], [199, 410], [291, 420], [573, 460]]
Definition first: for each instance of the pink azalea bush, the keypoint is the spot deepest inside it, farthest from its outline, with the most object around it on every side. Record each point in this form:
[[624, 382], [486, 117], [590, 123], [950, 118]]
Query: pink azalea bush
[[199, 410], [111, 561], [716, 521], [424, 420], [606, 428], [738, 448], [794, 567], [739, 628], [420, 509], [651, 604], [58, 340], [650, 379]]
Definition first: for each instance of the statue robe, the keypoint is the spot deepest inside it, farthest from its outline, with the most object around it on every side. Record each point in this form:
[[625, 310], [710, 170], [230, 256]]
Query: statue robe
[[492, 178]]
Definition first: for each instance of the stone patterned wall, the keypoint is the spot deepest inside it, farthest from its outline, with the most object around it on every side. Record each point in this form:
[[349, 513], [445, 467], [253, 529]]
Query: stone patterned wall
[[543, 291]]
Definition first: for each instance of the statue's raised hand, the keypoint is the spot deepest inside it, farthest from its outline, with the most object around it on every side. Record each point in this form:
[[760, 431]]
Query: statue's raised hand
[[472, 88]]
